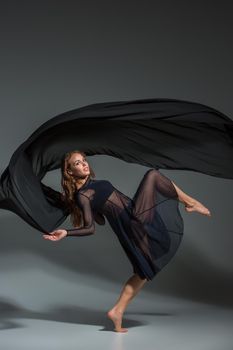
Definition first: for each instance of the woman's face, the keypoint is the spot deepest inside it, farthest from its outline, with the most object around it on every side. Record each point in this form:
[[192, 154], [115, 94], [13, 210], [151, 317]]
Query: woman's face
[[78, 166]]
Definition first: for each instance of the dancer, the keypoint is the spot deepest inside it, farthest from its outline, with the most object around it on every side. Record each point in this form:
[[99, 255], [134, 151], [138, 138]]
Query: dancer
[[159, 133], [149, 226]]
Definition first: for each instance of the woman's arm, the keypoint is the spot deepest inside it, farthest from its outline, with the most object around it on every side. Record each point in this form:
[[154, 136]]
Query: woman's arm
[[89, 224], [87, 229]]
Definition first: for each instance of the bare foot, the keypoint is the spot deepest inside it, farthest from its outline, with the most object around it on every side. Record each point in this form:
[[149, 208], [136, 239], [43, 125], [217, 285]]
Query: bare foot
[[197, 206], [116, 316]]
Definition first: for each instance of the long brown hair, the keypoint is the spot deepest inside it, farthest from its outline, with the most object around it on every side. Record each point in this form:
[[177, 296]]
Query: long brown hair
[[68, 184]]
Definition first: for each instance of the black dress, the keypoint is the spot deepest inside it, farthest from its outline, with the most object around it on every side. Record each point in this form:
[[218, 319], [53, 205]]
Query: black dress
[[149, 226]]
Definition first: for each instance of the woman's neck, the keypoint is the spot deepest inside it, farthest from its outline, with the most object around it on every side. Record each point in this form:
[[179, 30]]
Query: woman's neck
[[80, 184]]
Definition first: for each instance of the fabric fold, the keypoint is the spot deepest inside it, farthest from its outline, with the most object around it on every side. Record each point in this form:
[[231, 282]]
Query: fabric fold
[[158, 132]]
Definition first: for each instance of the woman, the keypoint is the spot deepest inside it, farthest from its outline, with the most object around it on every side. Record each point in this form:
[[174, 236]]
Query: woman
[[149, 226]]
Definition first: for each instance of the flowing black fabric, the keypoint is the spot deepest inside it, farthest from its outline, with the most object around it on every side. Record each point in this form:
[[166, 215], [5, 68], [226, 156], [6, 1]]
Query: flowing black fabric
[[159, 133]]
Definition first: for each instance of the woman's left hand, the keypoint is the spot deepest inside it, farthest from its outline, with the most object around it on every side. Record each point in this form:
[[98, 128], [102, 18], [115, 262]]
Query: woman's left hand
[[55, 235]]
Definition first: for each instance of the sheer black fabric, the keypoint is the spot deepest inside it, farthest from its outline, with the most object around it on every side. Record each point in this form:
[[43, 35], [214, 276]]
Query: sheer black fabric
[[88, 228], [149, 226], [158, 133]]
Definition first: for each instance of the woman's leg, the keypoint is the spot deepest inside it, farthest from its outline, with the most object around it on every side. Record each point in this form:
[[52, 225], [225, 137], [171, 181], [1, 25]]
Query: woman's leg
[[130, 289], [190, 203]]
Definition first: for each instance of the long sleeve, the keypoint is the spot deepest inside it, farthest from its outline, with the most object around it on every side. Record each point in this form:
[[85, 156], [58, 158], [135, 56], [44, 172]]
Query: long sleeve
[[89, 224]]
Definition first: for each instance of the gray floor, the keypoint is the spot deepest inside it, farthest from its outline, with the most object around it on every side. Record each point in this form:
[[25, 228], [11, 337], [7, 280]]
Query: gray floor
[[42, 310]]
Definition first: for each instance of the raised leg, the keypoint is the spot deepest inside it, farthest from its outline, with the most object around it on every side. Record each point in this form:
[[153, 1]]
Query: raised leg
[[144, 198], [190, 203], [130, 289], [153, 190], [154, 180]]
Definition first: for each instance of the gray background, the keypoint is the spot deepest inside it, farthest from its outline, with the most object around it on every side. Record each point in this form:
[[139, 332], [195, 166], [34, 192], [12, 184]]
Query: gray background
[[60, 55]]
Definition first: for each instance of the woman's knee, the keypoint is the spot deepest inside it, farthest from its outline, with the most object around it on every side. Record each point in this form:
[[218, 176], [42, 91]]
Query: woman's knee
[[153, 173]]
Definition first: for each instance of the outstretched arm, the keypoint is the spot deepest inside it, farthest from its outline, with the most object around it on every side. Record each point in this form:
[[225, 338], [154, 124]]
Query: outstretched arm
[[88, 227]]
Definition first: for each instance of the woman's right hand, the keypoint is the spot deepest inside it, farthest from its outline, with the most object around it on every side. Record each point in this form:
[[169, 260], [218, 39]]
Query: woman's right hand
[[56, 235]]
